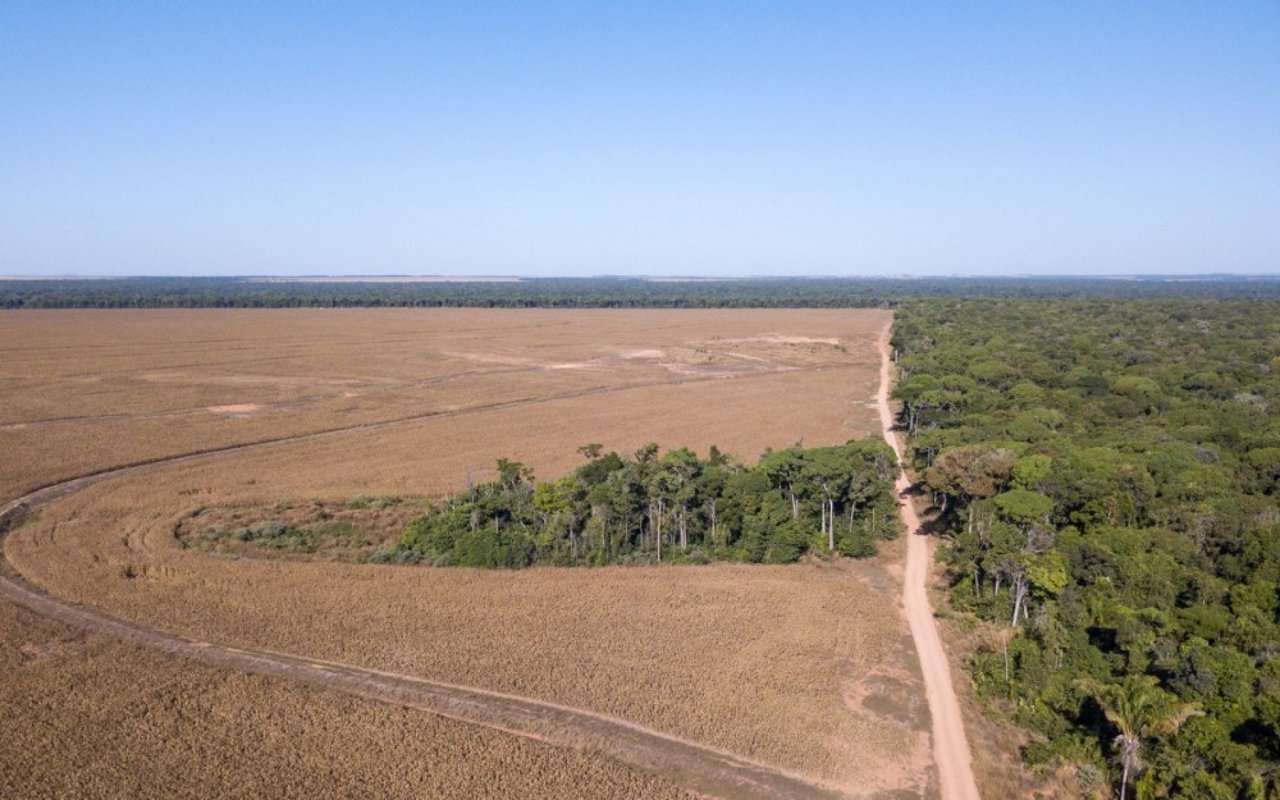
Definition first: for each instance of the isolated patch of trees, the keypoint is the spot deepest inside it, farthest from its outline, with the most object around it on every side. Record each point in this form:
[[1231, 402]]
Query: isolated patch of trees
[[1107, 474], [676, 507]]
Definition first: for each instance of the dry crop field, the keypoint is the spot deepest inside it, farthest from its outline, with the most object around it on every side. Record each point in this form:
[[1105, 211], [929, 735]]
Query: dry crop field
[[87, 717], [807, 668], [87, 389]]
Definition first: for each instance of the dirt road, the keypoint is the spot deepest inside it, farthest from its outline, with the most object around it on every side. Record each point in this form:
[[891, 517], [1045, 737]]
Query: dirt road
[[950, 744], [703, 769]]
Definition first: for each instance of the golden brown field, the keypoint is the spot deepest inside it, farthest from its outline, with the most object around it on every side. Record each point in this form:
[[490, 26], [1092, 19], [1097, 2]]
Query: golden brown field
[[808, 667], [87, 717], [87, 389]]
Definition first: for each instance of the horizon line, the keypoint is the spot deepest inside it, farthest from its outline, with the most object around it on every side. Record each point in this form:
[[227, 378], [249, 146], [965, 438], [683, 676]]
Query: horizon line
[[392, 278]]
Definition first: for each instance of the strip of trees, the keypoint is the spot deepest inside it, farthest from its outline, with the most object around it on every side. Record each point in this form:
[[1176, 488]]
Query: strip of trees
[[1108, 477], [597, 292], [673, 507]]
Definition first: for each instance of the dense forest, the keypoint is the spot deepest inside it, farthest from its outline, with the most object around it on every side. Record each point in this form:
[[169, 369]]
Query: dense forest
[[600, 292], [1106, 474], [676, 507]]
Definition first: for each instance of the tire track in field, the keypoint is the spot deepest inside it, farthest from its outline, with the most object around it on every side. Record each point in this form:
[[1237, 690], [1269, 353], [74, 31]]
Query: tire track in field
[[698, 767]]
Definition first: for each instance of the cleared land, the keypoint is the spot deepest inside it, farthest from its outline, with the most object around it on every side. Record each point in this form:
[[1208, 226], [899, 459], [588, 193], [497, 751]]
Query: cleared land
[[808, 668], [83, 390], [85, 716]]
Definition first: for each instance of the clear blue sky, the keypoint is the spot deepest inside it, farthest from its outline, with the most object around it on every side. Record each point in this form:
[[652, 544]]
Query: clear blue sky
[[651, 138]]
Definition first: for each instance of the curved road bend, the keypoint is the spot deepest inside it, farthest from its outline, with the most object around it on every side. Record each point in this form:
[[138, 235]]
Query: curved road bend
[[950, 743], [703, 769]]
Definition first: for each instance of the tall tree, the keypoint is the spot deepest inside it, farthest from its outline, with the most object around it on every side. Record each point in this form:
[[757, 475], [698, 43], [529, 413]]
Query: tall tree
[[1139, 709]]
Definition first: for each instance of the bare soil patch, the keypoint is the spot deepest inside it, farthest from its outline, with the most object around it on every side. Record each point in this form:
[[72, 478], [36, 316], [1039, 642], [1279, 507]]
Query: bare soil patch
[[235, 408]]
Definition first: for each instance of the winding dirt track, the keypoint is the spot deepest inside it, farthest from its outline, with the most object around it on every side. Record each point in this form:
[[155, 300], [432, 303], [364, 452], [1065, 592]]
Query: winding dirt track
[[698, 767], [950, 743]]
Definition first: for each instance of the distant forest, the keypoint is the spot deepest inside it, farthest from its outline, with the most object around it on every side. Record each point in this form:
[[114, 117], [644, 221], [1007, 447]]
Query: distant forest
[[1107, 477], [601, 292]]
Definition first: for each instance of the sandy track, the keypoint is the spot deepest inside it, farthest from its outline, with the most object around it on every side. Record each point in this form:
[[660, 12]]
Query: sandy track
[[703, 769], [950, 743]]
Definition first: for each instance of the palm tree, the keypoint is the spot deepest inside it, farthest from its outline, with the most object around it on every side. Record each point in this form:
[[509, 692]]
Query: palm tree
[[1139, 709], [1266, 783]]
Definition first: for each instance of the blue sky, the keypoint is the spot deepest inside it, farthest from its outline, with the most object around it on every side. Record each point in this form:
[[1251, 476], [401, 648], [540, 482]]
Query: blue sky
[[729, 138]]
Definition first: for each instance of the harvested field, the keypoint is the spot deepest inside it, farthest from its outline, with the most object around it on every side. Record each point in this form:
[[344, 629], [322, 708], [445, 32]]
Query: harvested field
[[805, 667], [87, 717], [83, 390]]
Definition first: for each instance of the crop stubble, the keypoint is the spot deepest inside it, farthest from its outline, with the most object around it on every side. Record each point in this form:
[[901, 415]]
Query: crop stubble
[[759, 660], [87, 389], [87, 717]]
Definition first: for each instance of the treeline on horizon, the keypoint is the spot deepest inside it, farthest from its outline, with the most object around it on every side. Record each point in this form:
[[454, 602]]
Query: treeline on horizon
[[602, 292], [1108, 477], [673, 508]]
